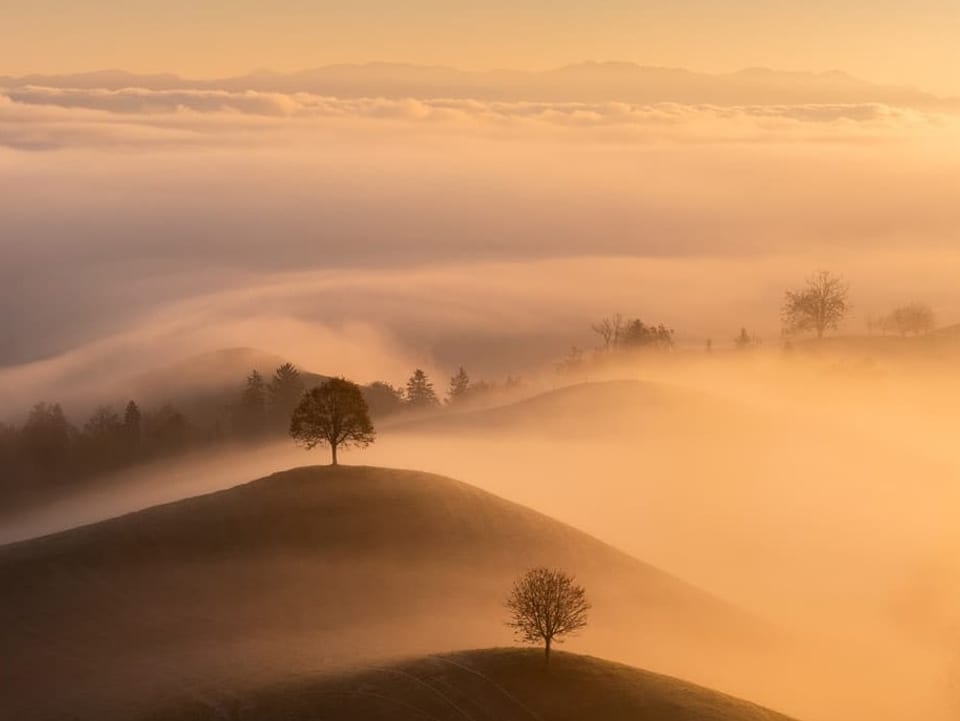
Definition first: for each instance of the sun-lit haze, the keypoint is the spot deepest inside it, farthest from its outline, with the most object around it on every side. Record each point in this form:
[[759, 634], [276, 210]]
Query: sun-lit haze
[[193, 190]]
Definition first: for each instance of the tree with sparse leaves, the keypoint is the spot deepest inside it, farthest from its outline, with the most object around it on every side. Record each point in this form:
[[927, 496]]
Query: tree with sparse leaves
[[610, 330], [420, 392], [820, 306], [545, 605], [334, 414]]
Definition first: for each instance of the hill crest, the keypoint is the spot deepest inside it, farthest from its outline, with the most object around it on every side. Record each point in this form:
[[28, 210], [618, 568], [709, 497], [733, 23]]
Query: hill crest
[[498, 684]]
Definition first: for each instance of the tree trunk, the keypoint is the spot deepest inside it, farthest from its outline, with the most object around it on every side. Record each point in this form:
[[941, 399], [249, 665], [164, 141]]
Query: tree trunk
[[546, 652], [333, 450]]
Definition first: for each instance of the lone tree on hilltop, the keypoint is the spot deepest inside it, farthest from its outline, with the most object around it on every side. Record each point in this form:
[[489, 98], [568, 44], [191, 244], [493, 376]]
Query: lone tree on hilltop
[[818, 307], [420, 392], [546, 604], [333, 414]]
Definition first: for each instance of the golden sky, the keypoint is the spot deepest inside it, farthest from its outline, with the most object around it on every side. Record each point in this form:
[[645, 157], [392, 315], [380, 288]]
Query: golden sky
[[880, 40]]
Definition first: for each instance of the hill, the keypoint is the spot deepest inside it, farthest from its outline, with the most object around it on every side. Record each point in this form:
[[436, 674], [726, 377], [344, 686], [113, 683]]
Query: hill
[[488, 685], [306, 568]]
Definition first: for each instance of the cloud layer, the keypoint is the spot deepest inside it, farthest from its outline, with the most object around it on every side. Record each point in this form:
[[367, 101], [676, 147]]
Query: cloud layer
[[145, 201], [37, 118]]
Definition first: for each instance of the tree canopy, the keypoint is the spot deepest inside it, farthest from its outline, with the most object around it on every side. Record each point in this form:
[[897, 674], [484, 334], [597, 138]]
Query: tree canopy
[[420, 392], [334, 414]]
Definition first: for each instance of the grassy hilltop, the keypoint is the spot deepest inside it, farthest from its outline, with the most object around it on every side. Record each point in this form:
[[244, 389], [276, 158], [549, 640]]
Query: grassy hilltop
[[488, 685]]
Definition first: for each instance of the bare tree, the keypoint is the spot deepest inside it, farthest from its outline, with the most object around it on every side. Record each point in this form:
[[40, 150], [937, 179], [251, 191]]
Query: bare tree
[[609, 329], [333, 414], [818, 307], [546, 604]]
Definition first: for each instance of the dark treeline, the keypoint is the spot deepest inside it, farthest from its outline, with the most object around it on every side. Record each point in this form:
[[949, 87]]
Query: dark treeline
[[50, 452]]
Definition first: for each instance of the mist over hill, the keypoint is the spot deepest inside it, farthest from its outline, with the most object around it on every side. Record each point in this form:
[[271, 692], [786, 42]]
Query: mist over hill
[[309, 568]]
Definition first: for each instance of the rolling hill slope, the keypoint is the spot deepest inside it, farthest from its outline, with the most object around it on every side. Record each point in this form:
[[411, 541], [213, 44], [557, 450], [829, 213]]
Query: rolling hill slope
[[313, 567], [488, 685]]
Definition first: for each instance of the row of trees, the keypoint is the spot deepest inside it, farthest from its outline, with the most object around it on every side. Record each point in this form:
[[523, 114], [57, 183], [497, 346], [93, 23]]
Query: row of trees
[[48, 449], [336, 414], [266, 406], [819, 306], [419, 392], [824, 302], [624, 334], [910, 319]]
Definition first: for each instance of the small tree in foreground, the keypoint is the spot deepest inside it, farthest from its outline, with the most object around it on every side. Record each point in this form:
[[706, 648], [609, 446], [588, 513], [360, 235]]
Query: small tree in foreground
[[818, 307], [546, 604], [333, 414]]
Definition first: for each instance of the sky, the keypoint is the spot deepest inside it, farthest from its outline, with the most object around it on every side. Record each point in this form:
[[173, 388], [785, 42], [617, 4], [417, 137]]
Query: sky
[[881, 40], [142, 224]]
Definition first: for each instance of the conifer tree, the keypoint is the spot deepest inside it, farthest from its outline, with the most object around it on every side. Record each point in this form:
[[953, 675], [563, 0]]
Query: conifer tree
[[459, 387], [420, 392]]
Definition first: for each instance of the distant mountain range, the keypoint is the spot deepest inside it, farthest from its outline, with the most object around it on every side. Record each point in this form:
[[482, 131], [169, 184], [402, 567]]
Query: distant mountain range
[[584, 82]]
